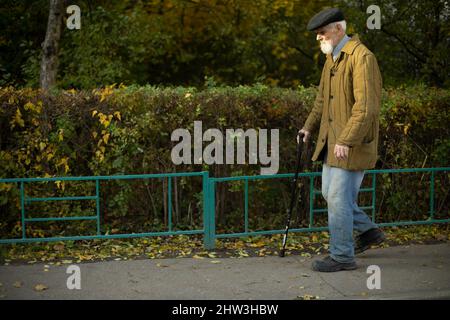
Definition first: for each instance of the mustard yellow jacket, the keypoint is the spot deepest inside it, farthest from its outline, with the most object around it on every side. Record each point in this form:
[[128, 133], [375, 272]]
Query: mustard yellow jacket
[[347, 107]]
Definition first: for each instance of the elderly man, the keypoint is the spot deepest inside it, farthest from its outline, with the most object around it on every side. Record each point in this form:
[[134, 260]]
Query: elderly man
[[347, 108]]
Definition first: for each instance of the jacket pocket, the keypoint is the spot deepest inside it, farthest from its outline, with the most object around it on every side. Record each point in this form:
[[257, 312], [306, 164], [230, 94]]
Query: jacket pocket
[[367, 146], [364, 156]]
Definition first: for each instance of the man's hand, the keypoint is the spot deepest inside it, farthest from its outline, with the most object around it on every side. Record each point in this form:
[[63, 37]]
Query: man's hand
[[341, 152], [306, 135]]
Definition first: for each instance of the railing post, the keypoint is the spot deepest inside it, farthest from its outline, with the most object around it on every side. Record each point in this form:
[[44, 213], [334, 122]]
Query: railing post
[[432, 196], [169, 202], [374, 186], [311, 200], [208, 211], [212, 215], [97, 204], [22, 205], [246, 205]]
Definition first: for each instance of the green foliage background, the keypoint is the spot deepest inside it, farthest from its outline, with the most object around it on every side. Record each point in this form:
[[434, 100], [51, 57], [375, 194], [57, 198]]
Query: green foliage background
[[230, 42]]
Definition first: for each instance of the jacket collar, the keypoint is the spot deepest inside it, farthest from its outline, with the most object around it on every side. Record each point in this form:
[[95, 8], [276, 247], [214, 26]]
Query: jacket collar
[[350, 46]]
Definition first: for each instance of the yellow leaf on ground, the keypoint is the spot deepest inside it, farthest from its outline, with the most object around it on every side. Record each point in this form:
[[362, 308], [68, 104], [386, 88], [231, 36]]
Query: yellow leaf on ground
[[308, 297], [258, 244], [162, 265], [40, 287], [59, 246]]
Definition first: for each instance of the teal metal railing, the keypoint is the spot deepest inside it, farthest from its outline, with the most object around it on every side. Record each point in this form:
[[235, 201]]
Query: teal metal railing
[[314, 193], [209, 203], [24, 201]]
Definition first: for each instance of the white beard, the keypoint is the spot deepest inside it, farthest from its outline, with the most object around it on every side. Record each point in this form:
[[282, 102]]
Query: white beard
[[326, 47]]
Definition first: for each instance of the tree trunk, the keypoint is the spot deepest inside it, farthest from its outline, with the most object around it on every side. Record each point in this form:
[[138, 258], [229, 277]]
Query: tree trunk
[[49, 62]]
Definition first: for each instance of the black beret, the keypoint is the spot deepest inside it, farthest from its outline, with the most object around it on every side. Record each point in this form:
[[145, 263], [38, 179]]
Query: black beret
[[325, 17]]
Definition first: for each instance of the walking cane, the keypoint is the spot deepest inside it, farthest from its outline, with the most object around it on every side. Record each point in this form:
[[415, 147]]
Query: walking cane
[[293, 192]]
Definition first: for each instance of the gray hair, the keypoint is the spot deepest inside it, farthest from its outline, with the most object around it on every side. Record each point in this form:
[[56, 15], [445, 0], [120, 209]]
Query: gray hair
[[342, 23]]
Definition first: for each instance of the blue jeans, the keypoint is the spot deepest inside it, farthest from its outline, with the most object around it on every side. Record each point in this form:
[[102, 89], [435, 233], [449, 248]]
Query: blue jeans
[[340, 189]]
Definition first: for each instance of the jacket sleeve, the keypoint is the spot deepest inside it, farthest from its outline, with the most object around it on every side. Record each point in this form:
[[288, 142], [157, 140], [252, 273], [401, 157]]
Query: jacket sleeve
[[313, 120], [367, 93]]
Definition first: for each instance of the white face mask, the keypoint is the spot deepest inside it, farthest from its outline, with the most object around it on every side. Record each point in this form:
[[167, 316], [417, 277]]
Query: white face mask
[[326, 46]]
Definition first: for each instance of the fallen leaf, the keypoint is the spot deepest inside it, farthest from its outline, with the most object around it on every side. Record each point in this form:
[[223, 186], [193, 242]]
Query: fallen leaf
[[308, 297], [58, 247], [305, 275], [198, 257], [18, 284], [258, 244], [40, 287], [243, 253], [215, 261], [162, 265], [305, 254]]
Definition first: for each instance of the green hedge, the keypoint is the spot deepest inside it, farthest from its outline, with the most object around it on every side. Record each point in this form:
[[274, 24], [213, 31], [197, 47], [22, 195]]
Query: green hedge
[[122, 130]]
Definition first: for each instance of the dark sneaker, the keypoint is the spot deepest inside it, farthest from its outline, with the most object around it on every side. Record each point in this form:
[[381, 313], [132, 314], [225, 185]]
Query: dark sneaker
[[369, 238], [330, 265]]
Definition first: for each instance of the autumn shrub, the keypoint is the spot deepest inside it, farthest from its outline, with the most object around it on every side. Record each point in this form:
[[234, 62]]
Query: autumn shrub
[[127, 130]]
